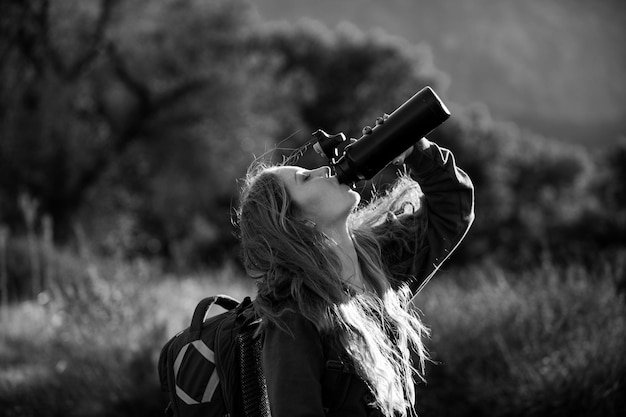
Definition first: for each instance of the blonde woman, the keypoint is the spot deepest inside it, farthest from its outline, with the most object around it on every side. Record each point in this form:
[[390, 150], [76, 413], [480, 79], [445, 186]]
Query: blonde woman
[[335, 280]]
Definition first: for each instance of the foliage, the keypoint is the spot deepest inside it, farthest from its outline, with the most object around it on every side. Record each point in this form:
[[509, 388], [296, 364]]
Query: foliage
[[106, 122], [531, 192], [98, 331], [605, 221], [344, 78], [120, 124], [88, 345], [547, 341], [122, 137]]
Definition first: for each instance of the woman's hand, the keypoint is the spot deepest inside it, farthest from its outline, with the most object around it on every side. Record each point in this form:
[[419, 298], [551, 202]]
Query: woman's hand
[[399, 160]]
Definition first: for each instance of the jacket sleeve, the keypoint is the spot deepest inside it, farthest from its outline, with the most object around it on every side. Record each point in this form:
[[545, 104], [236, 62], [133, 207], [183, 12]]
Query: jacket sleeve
[[430, 234], [294, 364]]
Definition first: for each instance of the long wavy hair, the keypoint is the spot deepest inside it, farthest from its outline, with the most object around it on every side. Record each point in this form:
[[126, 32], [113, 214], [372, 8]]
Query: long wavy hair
[[297, 270]]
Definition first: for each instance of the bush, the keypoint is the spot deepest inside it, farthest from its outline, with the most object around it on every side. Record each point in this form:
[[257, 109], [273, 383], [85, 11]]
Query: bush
[[531, 192], [90, 346], [84, 351], [548, 341]]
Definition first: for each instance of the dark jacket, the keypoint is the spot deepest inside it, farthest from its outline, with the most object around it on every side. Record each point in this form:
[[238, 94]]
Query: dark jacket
[[306, 374]]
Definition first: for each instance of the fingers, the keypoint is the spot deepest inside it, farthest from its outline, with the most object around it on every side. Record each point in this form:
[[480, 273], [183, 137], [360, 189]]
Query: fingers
[[379, 121], [400, 159]]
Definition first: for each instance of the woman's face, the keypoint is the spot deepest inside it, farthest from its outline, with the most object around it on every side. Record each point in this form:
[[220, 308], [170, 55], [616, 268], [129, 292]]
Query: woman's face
[[317, 194]]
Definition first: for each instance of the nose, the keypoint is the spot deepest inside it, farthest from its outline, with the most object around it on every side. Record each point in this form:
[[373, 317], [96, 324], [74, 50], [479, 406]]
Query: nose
[[322, 172]]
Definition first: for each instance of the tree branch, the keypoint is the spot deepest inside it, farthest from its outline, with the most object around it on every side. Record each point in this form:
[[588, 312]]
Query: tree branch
[[97, 41]]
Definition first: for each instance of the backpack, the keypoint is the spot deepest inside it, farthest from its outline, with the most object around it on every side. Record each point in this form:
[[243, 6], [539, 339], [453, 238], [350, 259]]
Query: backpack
[[213, 368]]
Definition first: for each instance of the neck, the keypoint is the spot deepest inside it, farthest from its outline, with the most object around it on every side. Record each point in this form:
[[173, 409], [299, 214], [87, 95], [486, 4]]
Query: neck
[[346, 251]]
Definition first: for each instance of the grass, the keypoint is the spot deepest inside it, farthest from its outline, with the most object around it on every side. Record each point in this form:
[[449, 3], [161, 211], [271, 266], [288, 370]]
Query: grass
[[547, 341], [91, 349]]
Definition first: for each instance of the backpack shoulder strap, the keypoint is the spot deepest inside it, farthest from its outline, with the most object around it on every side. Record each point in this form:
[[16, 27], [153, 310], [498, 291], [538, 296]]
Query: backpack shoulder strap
[[203, 306], [238, 353]]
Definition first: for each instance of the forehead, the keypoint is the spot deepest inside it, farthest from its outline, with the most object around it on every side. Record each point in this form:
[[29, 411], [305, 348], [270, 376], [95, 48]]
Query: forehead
[[286, 173]]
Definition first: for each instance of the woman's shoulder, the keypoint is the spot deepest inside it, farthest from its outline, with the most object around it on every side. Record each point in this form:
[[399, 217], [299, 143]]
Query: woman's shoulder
[[293, 324]]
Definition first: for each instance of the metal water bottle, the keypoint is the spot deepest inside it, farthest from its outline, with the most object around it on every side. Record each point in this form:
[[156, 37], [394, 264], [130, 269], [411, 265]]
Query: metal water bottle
[[379, 145]]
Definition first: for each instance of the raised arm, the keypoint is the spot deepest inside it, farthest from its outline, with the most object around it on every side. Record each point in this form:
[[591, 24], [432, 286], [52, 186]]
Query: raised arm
[[435, 230]]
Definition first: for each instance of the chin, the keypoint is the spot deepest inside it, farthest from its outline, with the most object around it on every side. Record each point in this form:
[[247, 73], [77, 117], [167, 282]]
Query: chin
[[357, 197]]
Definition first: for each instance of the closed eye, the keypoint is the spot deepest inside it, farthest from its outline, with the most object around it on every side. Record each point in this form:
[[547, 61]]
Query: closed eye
[[303, 176]]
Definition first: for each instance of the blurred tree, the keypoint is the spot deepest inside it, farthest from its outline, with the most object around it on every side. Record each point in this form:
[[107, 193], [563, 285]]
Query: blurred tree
[[113, 112], [611, 179], [550, 184], [343, 78], [48, 131], [529, 190], [603, 224], [185, 101], [133, 120]]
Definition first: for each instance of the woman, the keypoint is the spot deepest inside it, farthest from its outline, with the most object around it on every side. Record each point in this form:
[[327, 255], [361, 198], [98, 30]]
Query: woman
[[335, 280]]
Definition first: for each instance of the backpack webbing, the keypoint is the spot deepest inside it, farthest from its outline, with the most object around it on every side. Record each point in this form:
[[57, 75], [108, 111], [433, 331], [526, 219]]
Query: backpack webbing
[[253, 386]]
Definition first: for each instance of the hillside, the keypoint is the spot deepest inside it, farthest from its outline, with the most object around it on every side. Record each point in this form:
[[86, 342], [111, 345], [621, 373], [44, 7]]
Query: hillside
[[556, 68]]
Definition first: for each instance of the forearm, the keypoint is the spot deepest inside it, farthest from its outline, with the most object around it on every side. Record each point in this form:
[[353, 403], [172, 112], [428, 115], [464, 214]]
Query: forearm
[[449, 205]]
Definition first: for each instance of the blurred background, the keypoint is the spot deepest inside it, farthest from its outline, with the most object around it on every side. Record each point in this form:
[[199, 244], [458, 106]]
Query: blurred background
[[125, 126]]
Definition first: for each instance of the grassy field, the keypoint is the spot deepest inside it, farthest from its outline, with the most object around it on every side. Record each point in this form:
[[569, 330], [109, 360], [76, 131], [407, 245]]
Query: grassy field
[[548, 341]]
